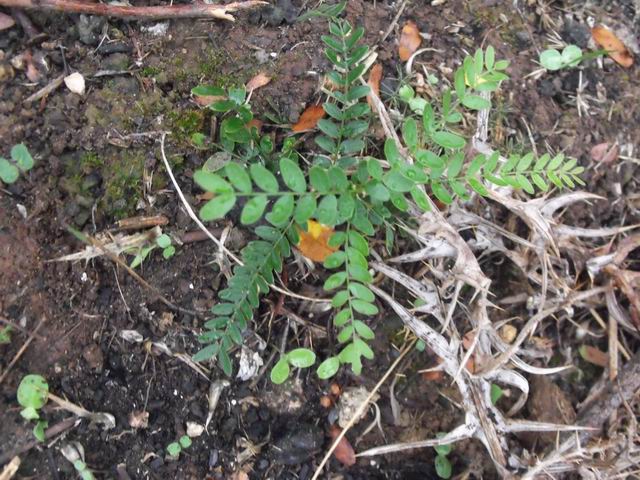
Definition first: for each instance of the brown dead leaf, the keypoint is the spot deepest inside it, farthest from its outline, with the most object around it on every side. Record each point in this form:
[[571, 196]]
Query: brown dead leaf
[[433, 376], [6, 21], [594, 355], [309, 118], [410, 40], [344, 451], [613, 45], [206, 100], [329, 84], [260, 80], [254, 122], [605, 153], [314, 242], [138, 419], [375, 75], [201, 197]]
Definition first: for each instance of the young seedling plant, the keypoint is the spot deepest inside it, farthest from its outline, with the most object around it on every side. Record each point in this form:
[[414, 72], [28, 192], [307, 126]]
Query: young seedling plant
[[74, 452], [353, 194], [175, 448], [33, 394], [441, 462], [298, 358], [571, 56], [163, 242], [21, 162]]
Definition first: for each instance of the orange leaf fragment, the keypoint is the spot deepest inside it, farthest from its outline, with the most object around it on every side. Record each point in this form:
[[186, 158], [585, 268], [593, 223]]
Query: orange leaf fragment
[[344, 452], [433, 376], [410, 40], [254, 122], [260, 80], [594, 355], [605, 153], [309, 118], [613, 45], [375, 75], [314, 243], [206, 100]]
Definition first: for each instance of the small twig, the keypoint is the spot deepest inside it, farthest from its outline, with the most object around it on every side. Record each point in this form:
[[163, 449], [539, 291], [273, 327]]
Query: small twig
[[96, 243], [57, 429], [358, 413], [137, 223], [6, 321], [192, 10], [46, 90], [394, 22], [22, 350]]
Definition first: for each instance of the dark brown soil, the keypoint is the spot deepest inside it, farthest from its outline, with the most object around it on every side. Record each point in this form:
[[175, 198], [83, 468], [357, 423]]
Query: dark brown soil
[[89, 174]]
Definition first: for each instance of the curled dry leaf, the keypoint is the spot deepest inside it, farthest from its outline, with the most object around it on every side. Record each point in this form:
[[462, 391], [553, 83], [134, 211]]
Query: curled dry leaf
[[410, 40], [139, 419], [254, 122], [75, 83], [309, 118], [314, 243], [605, 153], [594, 355], [260, 80], [613, 45], [375, 75], [6, 21], [344, 451], [206, 100], [433, 376]]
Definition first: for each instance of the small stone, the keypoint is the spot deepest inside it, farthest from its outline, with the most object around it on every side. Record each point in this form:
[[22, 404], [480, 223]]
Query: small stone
[[139, 419], [194, 429], [93, 356], [92, 180], [508, 333], [298, 444], [116, 61], [81, 218], [89, 29]]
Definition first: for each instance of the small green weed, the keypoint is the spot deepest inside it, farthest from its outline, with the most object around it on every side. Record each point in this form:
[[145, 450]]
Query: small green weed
[[571, 56], [441, 462], [162, 241], [175, 448], [21, 162], [5, 335], [33, 393], [340, 185]]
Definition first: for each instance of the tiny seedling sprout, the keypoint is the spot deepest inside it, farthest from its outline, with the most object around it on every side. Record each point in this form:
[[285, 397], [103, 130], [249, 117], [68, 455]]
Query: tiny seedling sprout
[[21, 161], [33, 393]]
